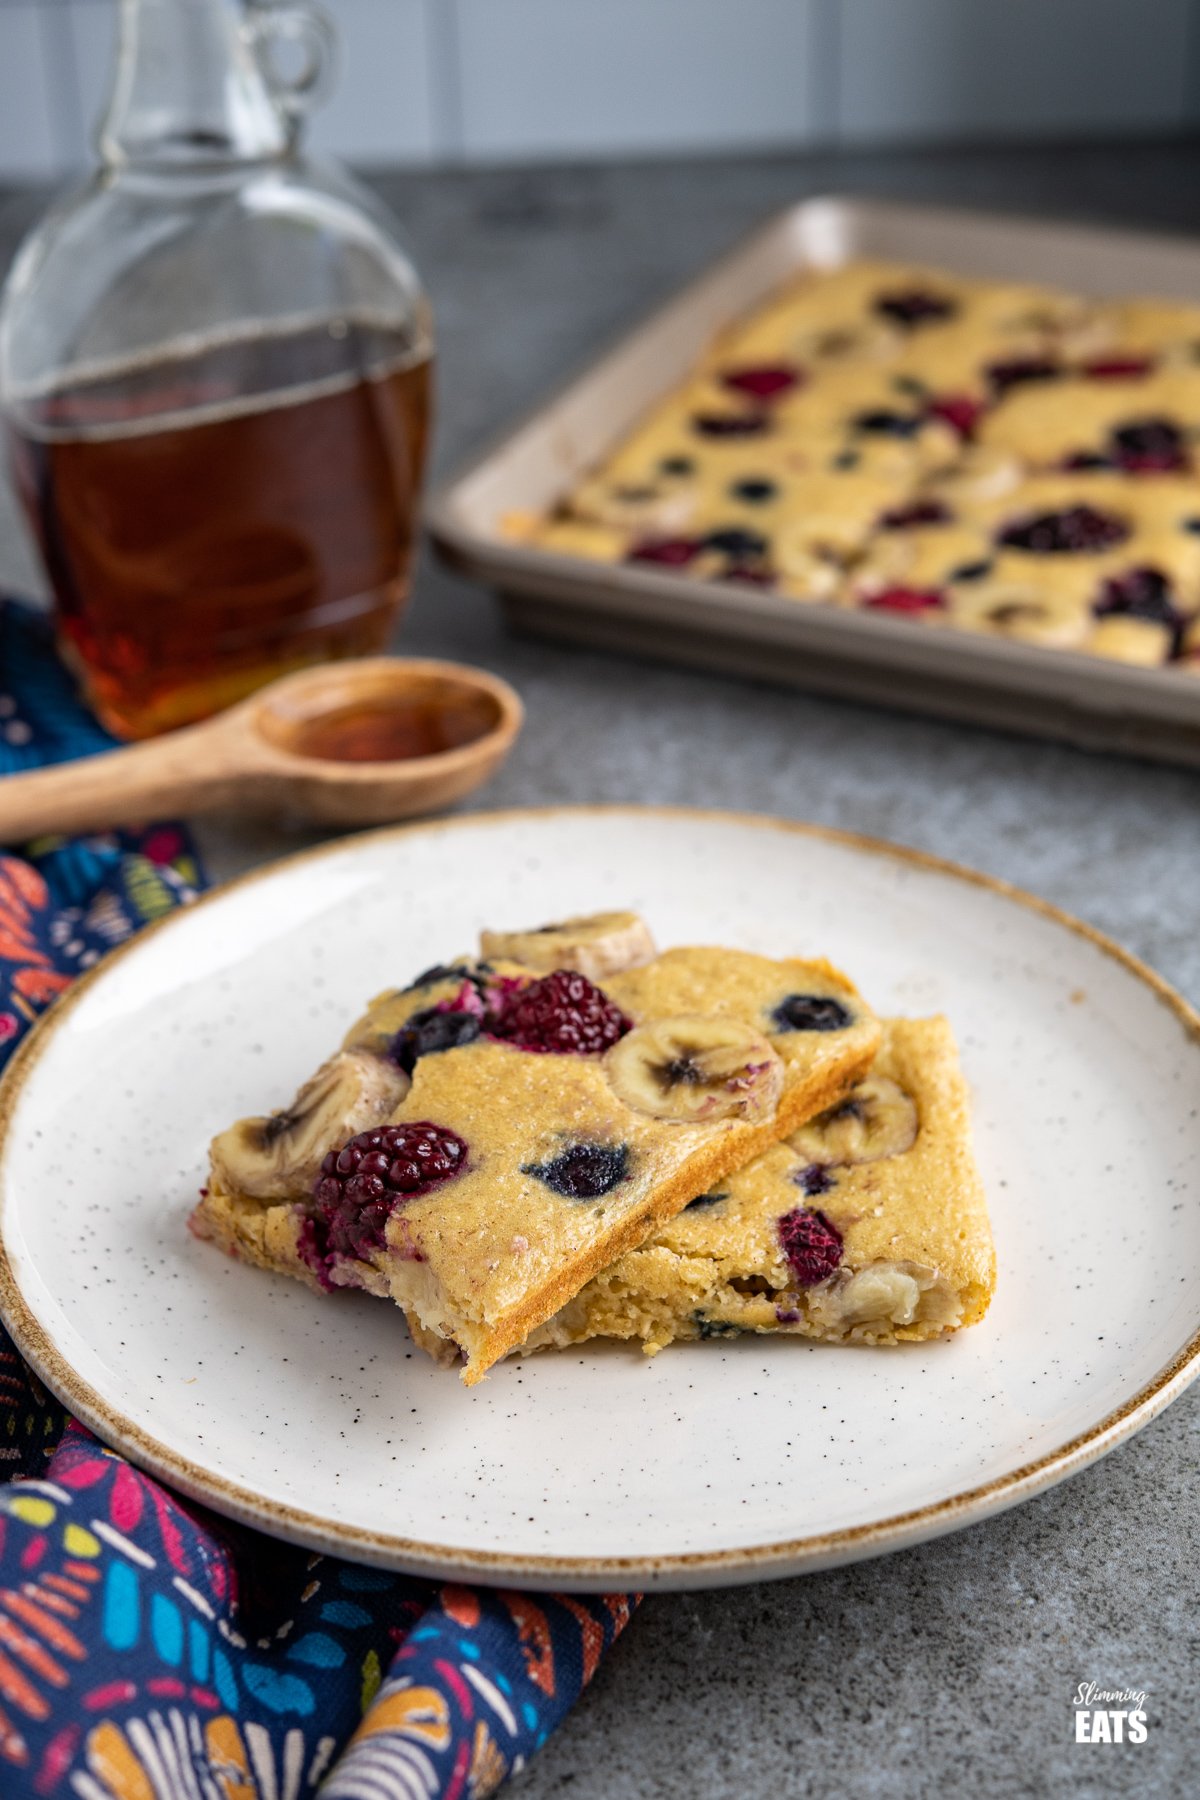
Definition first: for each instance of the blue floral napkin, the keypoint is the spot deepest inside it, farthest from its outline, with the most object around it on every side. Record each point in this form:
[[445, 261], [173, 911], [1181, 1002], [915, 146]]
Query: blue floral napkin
[[148, 1650]]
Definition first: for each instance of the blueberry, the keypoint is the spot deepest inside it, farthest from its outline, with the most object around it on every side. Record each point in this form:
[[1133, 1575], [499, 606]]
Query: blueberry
[[439, 972], [1192, 525], [715, 1328], [810, 1012], [754, 490], [429, 1031], [677, 465], [735, 542], [729, 424], [881, 423], [816, 1179], [973, 571], [915, 306], [583, 1172], [704, 1200]]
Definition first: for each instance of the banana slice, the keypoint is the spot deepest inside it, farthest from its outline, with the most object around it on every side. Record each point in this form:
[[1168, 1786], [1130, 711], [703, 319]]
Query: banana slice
[[696, 1068], [877, 1119], [597, 945], [278, 1158]]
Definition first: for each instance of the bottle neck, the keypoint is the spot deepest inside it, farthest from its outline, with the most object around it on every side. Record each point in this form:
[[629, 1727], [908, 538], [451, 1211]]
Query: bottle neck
[[189, 89]]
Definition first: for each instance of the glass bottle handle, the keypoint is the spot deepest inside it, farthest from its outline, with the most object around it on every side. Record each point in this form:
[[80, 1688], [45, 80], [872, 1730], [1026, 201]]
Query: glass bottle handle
[[293, 25]]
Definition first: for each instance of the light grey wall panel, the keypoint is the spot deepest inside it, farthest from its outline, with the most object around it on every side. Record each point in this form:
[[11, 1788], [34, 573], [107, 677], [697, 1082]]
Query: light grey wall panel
[[28, 145], [549, 77], [381, 108], [87, 76], [969, 68]]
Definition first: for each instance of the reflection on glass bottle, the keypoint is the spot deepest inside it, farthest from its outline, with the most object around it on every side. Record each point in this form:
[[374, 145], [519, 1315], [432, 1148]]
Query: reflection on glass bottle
[[214, 372]]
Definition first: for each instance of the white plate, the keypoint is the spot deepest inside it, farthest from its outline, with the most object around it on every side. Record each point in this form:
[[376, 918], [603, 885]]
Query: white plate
[[714, 1462]]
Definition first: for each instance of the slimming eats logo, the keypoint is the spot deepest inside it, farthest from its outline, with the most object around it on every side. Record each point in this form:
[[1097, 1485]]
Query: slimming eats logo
[[1109, 1715]]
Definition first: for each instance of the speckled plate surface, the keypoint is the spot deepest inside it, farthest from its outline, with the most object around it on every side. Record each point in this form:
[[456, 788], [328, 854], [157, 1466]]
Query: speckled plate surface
[[714, 1462]]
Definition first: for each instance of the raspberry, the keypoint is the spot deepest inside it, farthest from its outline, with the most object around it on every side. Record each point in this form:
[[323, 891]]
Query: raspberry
[[361, 1184], [915, 306], [672, 552], [960, 411], [1119, 367], [564, 1013], [584, 1172], [762, 383], [1074, 528], [905, 600], [811, 1244]]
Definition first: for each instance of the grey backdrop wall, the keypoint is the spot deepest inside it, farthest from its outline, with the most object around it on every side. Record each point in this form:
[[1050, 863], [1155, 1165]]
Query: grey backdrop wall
[[447, 80]]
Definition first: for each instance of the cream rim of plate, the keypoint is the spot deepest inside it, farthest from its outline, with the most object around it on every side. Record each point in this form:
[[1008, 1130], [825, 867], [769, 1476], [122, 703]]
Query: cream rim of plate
[[186, 1462]]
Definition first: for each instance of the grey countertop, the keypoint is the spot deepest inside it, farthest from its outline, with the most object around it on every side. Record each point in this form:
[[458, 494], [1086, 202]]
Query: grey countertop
[[954, 1663]]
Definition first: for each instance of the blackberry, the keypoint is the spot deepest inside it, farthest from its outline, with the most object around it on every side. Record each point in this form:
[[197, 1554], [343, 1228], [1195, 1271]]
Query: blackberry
[[920, 512], [563, 1013], [1021, 369], [1139, 594], [811, 1244], [737, 542], [361, 1184], [1149, 447]]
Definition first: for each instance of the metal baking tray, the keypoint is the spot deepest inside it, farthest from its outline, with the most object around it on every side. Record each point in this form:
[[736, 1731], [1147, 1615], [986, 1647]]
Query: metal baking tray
[[859, 655]]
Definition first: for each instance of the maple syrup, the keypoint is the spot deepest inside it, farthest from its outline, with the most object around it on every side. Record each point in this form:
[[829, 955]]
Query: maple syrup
[[394, 730], [212, 520]]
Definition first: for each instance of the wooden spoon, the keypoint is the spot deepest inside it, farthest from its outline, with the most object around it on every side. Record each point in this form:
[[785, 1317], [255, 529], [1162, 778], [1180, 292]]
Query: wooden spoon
[[354, 743]]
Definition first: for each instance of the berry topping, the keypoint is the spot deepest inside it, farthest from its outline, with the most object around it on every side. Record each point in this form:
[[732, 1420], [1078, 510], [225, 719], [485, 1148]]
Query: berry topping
[[921, 512], [882, 423], [1021, 369], [729, 424], [677, 465], [1138, 594], [673, 553], [811, 1244], [703, 1200], [754, 491], [750, 574], [905, 600], [764, 383], [915, 306], [429, 1031], [361, 1184], [734, 541], [1072, 529], [1087, 459], [584, 1172], [564, 1013], [810, 1012], [960, 411], [439, 972], [1149, 447], [1119, 368], [815, 1179]]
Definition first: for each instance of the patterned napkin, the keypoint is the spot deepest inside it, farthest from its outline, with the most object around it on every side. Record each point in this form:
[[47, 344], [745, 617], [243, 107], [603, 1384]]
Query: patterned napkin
[[148, 1650]]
